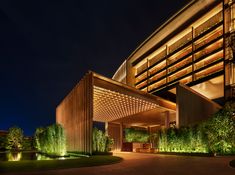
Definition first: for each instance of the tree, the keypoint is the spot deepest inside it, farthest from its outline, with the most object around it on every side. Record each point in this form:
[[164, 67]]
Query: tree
[[51, 140], [36, 137], [14, 139]]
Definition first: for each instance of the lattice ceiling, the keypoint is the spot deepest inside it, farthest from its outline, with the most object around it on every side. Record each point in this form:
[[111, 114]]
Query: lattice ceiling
[[111, 105]]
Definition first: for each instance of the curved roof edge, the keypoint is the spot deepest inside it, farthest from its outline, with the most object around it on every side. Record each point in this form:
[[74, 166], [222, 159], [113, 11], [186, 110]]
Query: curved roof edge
[[115, 75], [195, 5], [184, 8]]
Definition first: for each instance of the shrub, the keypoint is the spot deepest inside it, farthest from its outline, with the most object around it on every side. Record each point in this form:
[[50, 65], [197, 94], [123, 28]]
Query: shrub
[[14, 139], [37, 134], [215, 135], [134, 135], [101, 142], [51, 140], [220, 131], [184, 139], [163, 141]]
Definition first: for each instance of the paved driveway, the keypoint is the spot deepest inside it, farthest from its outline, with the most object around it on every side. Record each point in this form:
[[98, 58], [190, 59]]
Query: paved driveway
[[152, 164]]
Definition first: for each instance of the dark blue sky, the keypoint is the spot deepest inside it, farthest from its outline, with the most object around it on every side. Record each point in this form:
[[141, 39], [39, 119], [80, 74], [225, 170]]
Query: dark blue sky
[[47, 46]]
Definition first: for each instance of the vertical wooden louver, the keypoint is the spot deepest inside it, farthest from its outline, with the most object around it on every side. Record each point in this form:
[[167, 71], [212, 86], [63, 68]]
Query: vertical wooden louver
[[75, 113]]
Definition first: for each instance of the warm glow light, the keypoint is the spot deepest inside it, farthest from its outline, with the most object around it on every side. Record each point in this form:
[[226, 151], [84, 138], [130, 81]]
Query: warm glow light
[[120, 74], [14, 156], [206, 17], [167, 65], [211, 89], [110, 105]]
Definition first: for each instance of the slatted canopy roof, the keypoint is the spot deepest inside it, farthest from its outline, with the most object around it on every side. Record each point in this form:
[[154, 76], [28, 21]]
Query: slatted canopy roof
[[110, 105], [113, 100], [97, 98]]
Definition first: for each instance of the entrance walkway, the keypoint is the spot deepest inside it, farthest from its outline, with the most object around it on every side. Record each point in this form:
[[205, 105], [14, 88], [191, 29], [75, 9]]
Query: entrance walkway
[[152, 164]]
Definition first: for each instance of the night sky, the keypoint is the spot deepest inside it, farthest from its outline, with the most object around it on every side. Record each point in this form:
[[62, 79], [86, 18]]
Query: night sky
[[47, 46]]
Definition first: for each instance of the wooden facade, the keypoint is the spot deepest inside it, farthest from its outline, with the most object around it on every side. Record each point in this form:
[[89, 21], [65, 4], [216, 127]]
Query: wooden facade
[[75, 113], [192, 107], [114, 131], [97, 98]]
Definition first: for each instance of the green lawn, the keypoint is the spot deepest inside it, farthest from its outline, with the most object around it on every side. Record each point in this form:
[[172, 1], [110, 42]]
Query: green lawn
[[232, 163], [35, 165]]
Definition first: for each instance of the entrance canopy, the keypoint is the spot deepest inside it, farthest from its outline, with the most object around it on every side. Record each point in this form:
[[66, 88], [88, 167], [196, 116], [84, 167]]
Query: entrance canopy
[[111, 105], [97, 98], [113, 100]]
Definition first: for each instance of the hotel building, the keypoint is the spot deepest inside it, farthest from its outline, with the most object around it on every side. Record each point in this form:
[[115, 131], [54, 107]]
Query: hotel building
[[179, 75]]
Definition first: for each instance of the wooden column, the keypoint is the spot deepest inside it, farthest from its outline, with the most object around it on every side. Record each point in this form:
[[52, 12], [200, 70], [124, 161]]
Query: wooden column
[[167, 119], [106, 128], [114, 133], [121, 135]]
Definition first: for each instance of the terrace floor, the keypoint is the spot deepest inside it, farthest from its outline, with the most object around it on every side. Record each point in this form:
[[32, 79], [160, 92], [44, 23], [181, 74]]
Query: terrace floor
[[149, 164]]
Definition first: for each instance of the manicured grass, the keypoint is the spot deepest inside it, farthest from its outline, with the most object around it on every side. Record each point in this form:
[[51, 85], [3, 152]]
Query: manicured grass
[[232, 163], [36, 165]]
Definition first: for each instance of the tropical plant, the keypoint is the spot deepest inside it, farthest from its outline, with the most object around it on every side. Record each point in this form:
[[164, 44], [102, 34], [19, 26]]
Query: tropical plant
[[215, 135], [163, 140], [51, 140], [220, 130], [134, 135], [14, 139], [37, 133], [101, 142], [183, 139]]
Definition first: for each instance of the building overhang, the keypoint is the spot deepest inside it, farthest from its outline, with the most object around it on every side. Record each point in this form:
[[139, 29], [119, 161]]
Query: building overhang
[[114, 101]]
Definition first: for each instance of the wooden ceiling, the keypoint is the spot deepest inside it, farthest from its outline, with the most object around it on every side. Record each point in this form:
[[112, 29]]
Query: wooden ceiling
[[110, 105], [113, 100], [114, 106]]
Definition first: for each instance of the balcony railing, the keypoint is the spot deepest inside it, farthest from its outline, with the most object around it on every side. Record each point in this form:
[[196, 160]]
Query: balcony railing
[[208, 38], [211, 70], [186, 58], [158, 57], [182, 41], [209, 49], [208, 24], [142, 68], [179, 65], [178, 56]]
